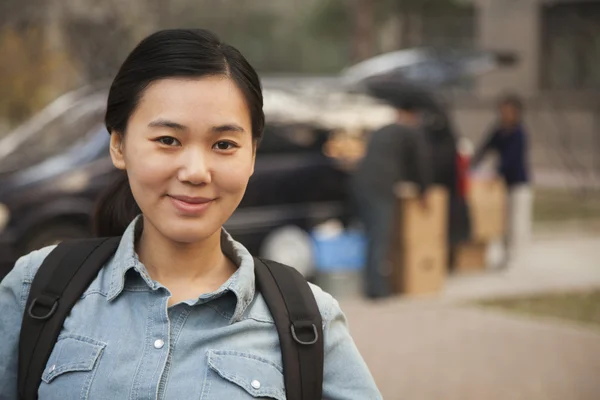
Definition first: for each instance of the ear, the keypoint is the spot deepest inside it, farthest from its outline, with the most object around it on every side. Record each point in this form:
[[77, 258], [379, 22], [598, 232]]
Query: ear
[[254, 147], [116, 150]]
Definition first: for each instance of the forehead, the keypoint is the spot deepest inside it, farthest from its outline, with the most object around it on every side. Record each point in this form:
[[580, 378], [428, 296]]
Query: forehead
[[210, 98]]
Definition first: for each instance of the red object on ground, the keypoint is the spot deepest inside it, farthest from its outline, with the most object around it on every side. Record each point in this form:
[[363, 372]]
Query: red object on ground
[[462, 165]]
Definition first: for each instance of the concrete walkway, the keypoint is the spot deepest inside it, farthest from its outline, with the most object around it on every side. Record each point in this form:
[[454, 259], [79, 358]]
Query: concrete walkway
[[552, 262], [443, 347]]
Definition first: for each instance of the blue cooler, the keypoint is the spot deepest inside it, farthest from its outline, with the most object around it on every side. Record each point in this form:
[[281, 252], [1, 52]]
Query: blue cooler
[[339, 261]]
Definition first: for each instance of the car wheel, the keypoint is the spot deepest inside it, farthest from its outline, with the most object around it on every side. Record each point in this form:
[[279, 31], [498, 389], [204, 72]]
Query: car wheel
[[54, 234], [290, 245]]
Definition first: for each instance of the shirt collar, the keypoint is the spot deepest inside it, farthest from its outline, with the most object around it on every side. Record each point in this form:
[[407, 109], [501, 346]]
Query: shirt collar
[[241, 283]]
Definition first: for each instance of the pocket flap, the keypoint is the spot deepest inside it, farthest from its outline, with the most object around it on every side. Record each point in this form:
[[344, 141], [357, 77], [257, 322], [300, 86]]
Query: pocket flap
[[256, 375], [70, 354]]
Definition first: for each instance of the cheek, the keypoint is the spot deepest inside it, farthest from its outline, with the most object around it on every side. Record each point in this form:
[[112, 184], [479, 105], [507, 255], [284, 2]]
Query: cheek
[[232, 175], [146, 168]]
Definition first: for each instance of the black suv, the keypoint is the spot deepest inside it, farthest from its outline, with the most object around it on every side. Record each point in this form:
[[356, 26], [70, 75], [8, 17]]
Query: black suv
[[53, 168]]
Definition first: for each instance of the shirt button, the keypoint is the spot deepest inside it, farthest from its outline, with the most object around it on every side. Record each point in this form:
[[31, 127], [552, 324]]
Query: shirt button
[[52, 368], [158, 344], [255, 384]]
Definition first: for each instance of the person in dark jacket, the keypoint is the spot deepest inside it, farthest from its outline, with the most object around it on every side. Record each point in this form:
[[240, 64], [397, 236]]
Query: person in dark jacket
[[395, 153], [509, 140], [442, 143]]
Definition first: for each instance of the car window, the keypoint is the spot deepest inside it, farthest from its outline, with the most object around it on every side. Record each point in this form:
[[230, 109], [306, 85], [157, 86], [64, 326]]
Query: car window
[[285, 139], [58, 135]]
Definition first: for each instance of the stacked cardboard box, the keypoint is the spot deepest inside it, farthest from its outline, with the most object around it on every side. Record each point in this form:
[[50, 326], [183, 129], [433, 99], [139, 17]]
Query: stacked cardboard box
[[487, 208], [487, 204], [420, 244], [471, 257]]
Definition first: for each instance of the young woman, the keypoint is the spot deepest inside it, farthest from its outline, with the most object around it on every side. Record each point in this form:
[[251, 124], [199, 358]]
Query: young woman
[[175, 313]]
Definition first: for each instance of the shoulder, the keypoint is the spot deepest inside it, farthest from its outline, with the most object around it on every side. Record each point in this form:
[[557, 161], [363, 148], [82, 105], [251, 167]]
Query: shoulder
[[494, 130], [407, 134], [391, 134], [386, 130], [328, 306], [27, 266], [394, 129], [18, 280]]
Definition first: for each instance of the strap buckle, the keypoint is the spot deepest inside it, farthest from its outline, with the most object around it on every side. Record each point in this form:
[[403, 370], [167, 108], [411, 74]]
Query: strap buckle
[[43, 301], [303, 325]]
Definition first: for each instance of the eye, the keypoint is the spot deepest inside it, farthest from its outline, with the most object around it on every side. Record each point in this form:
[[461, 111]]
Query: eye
[[168, 141], [224, 145]]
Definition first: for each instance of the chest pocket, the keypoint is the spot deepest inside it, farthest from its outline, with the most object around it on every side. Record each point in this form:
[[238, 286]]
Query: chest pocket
[[235, 375], [70, 368]]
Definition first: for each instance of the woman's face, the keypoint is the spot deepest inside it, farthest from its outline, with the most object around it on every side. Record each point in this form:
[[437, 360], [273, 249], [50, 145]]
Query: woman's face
[[188, 152]]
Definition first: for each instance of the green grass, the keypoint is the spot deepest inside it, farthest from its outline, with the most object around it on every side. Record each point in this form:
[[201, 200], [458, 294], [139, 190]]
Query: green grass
[[555, 205], [582, 307]]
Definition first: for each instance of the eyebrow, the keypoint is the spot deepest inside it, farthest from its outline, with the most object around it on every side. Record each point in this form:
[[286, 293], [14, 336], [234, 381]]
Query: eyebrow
[[164, 123], [228, 128]]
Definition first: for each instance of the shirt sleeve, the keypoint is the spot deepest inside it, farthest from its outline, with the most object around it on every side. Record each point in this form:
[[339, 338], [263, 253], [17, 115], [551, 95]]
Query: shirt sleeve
[[14, 290], [487, 145], [422, 159], [345, 373]]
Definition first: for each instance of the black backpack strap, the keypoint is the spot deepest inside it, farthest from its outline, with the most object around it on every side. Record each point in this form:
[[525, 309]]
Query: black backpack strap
[[299, 325], [58, 284]]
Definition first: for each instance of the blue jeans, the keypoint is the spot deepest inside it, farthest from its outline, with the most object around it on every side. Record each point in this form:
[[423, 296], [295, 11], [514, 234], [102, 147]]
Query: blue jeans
[[377, 213]]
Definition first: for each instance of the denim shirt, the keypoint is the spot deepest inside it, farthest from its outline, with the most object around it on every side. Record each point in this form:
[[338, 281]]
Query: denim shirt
[[123, 341]]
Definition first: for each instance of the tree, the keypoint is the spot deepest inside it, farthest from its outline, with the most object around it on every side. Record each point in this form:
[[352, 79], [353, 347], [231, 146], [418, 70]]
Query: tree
[[20, 14], [25, 70], [364, 27], [408, 15], [98, 46], [360, 21]]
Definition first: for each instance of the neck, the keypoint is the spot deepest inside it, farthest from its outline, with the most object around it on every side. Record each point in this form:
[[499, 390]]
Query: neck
[[171, 263], [407, 120]]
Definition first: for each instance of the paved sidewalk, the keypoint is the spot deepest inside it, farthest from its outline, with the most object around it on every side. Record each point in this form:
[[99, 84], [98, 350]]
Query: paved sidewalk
[[551, 263], [423, 350], [443, 347]]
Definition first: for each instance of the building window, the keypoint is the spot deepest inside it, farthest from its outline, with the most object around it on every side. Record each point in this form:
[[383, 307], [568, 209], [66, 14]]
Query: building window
[[453, 28], [571, 46]]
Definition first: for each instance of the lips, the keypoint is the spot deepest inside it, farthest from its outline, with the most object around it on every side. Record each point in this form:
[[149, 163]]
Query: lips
[[187, 205], [192, 200]]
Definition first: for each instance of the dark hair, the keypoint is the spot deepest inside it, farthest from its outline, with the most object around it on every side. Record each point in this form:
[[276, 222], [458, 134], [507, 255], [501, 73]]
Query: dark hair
[[511, 100], [168, 53]]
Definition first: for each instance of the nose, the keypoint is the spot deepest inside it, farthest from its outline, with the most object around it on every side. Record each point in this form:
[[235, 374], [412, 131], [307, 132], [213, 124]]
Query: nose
[[194, 168]]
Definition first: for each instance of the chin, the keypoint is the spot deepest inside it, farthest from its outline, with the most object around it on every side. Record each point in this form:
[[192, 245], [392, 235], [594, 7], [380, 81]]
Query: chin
[[189, 231]]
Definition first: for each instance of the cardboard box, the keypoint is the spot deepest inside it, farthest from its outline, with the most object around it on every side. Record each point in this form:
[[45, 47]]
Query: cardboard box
[[418, 224], [422, 270], [420, 244], [487, 208], [471, 257]]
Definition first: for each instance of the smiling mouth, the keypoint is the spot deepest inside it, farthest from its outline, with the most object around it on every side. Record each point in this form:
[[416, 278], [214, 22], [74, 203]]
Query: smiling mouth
[[192, 200], [191, 205]]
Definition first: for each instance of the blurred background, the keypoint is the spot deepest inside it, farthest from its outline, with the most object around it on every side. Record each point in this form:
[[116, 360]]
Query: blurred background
[[467, 326]]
